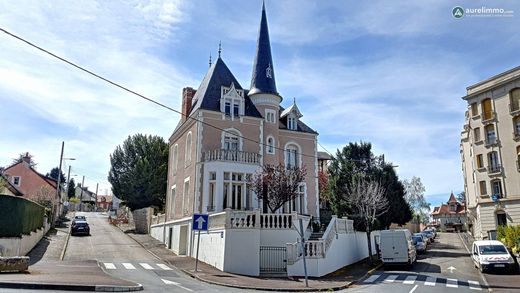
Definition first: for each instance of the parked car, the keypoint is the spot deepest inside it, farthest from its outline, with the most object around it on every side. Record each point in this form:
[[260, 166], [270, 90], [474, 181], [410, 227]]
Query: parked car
[[420, 244], [80, 227], [78, 218], [397, 247], [429, 234], [424, 237], [491, 254]]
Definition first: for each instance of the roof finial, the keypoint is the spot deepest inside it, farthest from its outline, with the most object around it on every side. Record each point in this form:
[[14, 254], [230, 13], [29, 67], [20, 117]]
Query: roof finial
[[294, 100], [263, 5], [219, 48], [209, 59]]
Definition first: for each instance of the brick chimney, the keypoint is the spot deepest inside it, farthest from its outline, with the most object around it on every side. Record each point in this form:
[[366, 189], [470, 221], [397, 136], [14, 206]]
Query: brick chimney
[[27, 158], [187, 97]]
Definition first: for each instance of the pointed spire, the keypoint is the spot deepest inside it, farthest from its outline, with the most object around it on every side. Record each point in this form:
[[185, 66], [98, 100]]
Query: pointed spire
[[263, 80]]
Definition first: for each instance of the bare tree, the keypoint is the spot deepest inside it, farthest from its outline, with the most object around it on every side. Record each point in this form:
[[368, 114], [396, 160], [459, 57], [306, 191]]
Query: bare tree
[[368, 202], [277, 185]]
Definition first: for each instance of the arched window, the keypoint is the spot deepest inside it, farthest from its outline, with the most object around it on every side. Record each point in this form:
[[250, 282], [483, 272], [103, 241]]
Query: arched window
[[292, 156], [231, 140], [515, 100], [187, 153], [175, 158], [270, 145]]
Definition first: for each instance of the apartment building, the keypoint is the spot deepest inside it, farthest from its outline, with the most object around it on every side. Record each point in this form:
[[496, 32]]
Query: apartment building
[[490, 151]]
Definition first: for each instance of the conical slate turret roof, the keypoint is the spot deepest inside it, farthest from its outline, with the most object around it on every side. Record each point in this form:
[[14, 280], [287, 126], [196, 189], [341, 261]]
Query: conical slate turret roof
[[262, 80]]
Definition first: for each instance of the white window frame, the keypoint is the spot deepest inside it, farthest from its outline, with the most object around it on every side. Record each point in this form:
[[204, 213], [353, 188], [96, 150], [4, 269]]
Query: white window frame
[[270, 115], [211, 207], [298, 154], [175, 158], [187, 151], [19, 180], [185, 196], [292, 122], [271, 148], [173, 192], [229, 133], [233, 97]]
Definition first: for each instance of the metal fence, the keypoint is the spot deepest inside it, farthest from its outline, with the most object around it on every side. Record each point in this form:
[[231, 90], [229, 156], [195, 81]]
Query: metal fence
[[273, 260]]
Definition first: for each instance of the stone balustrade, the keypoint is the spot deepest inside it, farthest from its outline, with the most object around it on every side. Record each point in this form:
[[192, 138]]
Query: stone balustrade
[[231, 156]]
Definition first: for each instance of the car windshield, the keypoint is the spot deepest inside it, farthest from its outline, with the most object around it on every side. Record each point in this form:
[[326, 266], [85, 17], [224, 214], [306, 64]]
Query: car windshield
[[492, 249]]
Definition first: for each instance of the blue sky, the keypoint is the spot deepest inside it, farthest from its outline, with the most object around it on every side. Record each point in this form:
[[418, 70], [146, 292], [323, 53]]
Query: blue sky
[[389, 72]]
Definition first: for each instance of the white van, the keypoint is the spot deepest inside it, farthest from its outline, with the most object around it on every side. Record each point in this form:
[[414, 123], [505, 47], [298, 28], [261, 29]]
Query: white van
[[491, 254], [397, 247]]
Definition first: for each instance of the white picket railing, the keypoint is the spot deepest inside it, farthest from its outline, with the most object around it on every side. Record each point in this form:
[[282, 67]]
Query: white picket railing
[[255, 219]]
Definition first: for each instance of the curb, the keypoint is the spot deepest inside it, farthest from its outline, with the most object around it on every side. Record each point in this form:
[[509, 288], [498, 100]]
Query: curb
[[370, 272], [70, 287], [62, 255], [309, 289]]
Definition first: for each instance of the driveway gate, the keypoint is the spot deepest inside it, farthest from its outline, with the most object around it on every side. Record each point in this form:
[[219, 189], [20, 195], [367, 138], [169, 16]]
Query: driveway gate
[[273, 260]]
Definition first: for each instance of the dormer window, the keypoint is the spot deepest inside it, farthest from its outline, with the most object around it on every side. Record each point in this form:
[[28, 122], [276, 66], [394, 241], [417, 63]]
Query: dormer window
[[291, 122], [232, 101]]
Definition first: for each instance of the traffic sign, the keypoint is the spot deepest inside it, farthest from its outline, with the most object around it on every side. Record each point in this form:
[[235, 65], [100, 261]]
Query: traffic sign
[[200, 222]]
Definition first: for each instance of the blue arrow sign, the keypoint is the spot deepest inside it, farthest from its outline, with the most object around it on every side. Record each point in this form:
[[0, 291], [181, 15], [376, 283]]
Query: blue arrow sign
[[200, 222]]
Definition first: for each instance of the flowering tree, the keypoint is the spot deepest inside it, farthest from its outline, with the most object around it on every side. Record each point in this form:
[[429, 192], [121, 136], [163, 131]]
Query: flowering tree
[[277, 185]]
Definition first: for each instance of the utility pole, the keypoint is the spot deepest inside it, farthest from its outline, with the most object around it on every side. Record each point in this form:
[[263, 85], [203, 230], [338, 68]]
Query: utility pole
[[58, 195], [81, 194], [95, 205], [68, 181]]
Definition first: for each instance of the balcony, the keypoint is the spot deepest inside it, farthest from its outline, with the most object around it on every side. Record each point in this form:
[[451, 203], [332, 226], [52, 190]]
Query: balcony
[[491, 142], [494, 169], [231, 156]]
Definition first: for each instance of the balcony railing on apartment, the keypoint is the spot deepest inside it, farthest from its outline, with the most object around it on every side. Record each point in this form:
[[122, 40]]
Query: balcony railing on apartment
[[493, 169], [491, 141], [232, 156]]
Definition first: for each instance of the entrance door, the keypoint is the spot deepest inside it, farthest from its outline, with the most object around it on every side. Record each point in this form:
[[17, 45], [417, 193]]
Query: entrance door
[[170, 238], [501, 219], [183, 240]]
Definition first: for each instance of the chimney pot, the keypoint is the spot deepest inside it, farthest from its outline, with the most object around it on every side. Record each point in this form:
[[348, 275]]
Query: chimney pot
[[187, 98]]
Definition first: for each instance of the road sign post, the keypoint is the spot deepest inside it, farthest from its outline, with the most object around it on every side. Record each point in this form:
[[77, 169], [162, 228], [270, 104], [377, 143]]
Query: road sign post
[[200, 223]]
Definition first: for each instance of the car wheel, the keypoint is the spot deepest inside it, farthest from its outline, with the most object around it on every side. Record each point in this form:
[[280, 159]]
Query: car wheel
[[481, 269]]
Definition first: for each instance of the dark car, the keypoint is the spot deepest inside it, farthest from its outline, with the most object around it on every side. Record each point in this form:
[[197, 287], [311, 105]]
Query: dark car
[[79, 227], [78, 218]]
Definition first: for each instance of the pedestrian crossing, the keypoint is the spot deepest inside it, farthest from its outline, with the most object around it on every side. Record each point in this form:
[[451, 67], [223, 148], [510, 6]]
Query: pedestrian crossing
[[412, 279], [131, 266]]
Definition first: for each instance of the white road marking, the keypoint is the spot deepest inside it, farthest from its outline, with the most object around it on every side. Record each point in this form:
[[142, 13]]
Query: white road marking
[[452, 283], [391, 278], [413, 289], [430, 281], [410, 280], [168, 282], [371, 279], [109, 266], [474, 285], [146, 266], [128, 266], [164, 267]]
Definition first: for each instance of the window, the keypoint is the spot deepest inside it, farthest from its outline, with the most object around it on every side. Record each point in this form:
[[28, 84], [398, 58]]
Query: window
[[501, 221], [186, 196], [175, 158], [212, 191], [227, 108], [518, 157], [291, 156], [487, 110], [493, 161], [496, 187], [490, 134], [515, 100], [232, 101], [237, 194], [474, 109], [483, 187], [231, 140], [480, 162], [172, 202], [476, 134], [270, 145], [453, 208], [291, 122], [236, 108], [16, 180], [187, 154], [516, 125], [270, 115]]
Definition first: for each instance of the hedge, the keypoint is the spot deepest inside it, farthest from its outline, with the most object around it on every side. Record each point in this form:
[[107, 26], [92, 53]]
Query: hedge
[[510, 236], [19, 216]]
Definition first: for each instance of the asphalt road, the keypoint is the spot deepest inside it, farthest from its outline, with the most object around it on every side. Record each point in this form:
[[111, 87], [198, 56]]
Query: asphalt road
[[122, 257], [446, 267]]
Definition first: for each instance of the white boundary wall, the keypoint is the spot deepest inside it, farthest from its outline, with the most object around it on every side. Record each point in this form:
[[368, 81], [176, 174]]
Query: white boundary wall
[[20, 246]]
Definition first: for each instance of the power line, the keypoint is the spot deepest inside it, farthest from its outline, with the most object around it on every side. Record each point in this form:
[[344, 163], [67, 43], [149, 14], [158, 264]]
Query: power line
[[138, 94]]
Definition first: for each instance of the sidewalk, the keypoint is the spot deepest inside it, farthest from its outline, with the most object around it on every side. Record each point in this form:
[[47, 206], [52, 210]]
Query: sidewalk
[[48, 272], [335, 281]]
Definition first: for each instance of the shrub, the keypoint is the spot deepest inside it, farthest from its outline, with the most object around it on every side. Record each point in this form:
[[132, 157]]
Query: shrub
[[510, 236]]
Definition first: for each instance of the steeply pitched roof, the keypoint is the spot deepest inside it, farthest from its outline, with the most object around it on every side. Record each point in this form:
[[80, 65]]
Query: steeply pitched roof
[[263, 79], [208, 94], [300, 126], [452, 198]]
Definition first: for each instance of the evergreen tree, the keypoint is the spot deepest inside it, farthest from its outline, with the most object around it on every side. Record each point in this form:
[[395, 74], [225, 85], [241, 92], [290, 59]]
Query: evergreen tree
[[71, 189], [138, 172], [54, 175]]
